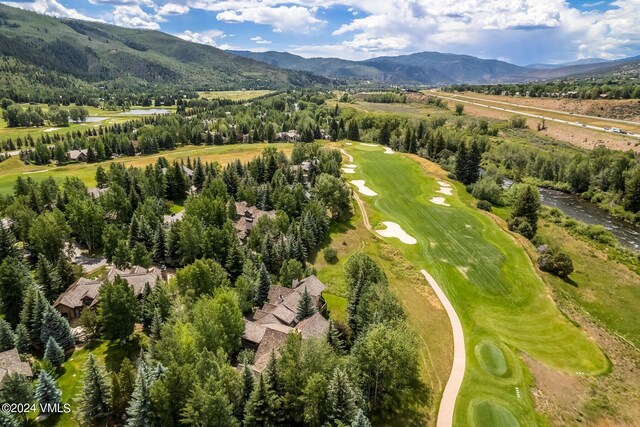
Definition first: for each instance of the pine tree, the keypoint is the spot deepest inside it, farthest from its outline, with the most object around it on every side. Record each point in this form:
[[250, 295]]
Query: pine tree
[[526, 206], [334, 339], [159, 245], [462, 163], [353, 133], [261, 410], [53, 352], [47, 392], [305, 306], [264, 286], [56, 326], [361, 420], [341, 399], [7, 243], [140, 411], [22, 338], [95, 395], [8, 420], [7, 337], [473, 166], [123, 384], [48, 278], [234, 261], [248, 382], [232, 211], [40, 306], [272, 375]]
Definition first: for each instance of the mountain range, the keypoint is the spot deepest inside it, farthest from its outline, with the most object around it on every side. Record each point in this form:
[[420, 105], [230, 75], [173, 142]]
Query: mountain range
[[432, 68], [38, 52]]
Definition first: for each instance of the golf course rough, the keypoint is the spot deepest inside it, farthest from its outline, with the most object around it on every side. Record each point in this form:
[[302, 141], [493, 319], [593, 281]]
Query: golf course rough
[[502, 303]]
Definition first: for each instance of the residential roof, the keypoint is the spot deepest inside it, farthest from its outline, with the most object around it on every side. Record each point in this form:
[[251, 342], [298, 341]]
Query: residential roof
[[272, 341], [75, 154], [10, 363], [76, 294], [315, 326], [314, 286]]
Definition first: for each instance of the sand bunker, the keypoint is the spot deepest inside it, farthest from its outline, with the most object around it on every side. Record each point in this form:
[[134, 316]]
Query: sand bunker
[[40, 171], [349, 143], [388, 150], [444, 184], [51, 129], [439, 201], [394, 230], [347, 155], [369, 145], [363, 189], [445, 190], [348, 171], [351, 166]]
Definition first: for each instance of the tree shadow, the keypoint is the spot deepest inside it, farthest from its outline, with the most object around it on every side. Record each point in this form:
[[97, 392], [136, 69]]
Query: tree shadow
[[568, 280], [117, 351]]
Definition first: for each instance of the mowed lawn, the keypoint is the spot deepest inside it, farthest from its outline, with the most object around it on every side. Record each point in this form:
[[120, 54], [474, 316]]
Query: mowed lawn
[[13, 167], [503, 305]]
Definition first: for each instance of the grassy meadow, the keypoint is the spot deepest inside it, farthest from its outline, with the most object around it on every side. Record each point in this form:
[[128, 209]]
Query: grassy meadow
[[12, 168], [502, 303]]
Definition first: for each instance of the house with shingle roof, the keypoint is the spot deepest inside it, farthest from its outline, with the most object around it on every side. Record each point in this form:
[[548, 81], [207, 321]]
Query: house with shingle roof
[[10, 363], [85, 293], [247, 217], [266, 331], [78, 155]]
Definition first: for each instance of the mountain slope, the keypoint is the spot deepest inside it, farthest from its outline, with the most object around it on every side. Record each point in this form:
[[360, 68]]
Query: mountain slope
[[95, 52]]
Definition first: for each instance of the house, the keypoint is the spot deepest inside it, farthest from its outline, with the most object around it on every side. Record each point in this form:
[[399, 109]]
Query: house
[[77, 155], [86, 293], [247, 217], [96, 192], [289, 136], [10, 363], [266, 331]]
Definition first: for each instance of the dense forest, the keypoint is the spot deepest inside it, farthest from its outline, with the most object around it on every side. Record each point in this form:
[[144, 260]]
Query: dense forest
[[581, 89]]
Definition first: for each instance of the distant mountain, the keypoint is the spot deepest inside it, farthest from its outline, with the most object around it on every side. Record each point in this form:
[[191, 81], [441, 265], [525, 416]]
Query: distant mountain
[[95, 52], [585, 61], [431, 68]]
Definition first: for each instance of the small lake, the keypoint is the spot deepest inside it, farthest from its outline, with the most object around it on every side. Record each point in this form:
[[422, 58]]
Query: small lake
[[146, 112], [94, 119], [627, 234]]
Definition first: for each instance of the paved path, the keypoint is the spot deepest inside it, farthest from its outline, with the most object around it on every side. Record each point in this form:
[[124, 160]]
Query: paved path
[[448, 402]]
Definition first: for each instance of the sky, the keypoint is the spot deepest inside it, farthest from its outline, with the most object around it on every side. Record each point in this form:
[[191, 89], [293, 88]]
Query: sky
[[518, 31]]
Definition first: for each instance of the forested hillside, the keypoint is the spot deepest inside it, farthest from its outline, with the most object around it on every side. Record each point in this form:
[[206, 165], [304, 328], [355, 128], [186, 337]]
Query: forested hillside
[[74, 55]]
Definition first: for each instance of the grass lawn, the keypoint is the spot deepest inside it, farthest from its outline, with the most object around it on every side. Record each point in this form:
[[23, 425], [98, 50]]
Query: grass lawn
[[70, 381], [489, 279], [412, 109], [236, 95], [13, 167]]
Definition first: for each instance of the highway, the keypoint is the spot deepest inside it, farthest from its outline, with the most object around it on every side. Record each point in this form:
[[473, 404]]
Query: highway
[[470, 100]]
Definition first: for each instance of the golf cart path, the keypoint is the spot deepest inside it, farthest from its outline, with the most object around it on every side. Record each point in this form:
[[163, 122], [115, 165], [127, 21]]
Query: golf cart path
[[448, 402]]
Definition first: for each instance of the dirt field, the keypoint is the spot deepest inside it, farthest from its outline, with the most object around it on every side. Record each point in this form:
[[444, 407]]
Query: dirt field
[[621, 109], [584, 138]]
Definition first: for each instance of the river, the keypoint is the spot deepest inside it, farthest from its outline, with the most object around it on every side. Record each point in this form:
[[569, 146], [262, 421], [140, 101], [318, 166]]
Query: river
[[627, 234]]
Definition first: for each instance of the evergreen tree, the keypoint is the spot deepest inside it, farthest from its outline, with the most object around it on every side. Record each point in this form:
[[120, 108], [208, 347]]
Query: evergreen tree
[[32, 313], [462, 163], [7, 337], [526, 206], [272, 375], [334, 339], [56, 326], [16, 388], [123, 384], [140, 411], [47, 392], [353, 133], [232, 210], [248, 382], [140, 256], [305, 306], [262, 410], [234, 262], [48, 278], [7, 243], [8, 420], [473, 166], [264, 286], [53, 352], [361, 420], [341, 398], [95, 396], [15, 281], [22, 338], [159, 245]]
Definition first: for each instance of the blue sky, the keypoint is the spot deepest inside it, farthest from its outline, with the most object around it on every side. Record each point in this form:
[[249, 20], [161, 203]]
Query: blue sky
[[519, 31]]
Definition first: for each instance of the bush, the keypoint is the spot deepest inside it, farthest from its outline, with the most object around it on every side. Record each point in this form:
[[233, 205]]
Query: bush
[[331, 255], [521, 226], [518, 122], [487, 189], [557, 263], [484, 205]]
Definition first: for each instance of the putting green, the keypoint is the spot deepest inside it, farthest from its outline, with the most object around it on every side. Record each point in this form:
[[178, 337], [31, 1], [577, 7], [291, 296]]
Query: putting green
[[487, 276], [493, 414], [492, 359]]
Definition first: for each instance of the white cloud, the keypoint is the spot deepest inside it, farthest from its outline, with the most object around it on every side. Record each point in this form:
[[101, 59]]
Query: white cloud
[[173, 9], [282, 18], [135, 17], [51, 8], [260, 40], [206, 37]]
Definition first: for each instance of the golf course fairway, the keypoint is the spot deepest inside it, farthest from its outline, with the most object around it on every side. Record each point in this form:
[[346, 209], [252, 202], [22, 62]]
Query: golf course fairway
[[502, 303]]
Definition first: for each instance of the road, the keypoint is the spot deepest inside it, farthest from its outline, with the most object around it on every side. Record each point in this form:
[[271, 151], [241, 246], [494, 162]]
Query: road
[[448, 402], [470, 100]]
